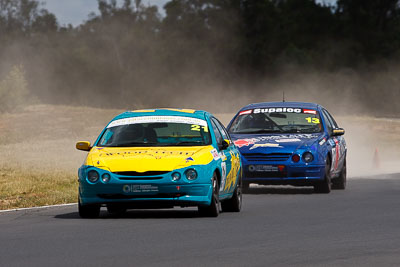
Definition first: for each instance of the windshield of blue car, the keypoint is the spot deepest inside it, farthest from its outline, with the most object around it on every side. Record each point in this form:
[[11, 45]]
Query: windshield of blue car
[[276, 120], [156, 132]]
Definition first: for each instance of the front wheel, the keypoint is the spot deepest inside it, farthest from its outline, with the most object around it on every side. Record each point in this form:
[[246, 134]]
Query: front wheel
[[324, 187], [88, 211], [213, 209]]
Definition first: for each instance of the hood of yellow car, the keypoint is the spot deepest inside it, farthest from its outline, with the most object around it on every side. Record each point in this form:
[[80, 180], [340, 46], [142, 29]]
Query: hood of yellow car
[[142, 159]]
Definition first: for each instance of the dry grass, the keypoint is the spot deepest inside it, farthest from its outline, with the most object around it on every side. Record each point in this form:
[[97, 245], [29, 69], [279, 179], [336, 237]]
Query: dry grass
[[38, 159], [26, 188], [39, 162]]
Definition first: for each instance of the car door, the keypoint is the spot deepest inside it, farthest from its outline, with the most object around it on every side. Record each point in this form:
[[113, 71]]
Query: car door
[[337, 144], [229, 160]]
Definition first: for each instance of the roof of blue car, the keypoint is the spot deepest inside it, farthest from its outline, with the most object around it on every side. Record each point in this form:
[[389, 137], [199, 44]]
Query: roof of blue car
[[281, 104], [163, 112]]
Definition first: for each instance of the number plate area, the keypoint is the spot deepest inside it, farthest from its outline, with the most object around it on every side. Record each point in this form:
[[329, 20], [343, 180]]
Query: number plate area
[[139, 188], [263, 168]]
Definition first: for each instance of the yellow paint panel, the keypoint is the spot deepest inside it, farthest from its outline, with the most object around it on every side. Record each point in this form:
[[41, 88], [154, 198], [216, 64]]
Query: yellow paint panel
[[233, 173], [181, 110], [143, 159]]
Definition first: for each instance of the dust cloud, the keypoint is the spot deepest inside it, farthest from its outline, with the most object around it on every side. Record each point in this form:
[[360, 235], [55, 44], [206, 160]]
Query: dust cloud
[[363, 102]]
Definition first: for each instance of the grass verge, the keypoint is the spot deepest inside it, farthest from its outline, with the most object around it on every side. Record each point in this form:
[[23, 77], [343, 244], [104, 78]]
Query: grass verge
[[20, 188]]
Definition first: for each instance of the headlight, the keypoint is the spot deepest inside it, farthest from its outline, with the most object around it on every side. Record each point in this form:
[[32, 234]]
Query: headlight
[[176, 176], [191, 174], [105, 177], [93, 176], [308, 157]]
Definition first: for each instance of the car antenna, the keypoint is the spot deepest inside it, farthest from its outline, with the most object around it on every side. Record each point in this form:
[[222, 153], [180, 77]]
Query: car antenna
[[283, 97]]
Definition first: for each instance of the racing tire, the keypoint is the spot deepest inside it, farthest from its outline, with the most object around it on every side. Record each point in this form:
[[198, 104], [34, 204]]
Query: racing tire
[[325, 186], [88, 211], [340, 182], [116, 210], [213, 209], [234, 204]]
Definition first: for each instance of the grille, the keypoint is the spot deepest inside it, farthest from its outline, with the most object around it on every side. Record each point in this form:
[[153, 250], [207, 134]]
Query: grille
[[267, 157], [139, 178], [140, 174]]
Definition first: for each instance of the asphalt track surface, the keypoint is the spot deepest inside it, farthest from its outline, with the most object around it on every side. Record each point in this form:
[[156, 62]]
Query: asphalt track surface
[[277, 227]]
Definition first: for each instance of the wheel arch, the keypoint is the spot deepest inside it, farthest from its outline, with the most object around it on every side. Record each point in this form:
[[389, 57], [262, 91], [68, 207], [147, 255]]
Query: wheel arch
[[218, 172]]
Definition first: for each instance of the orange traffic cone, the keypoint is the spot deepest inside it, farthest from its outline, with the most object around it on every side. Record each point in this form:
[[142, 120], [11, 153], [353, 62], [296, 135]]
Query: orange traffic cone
[[376, 161]]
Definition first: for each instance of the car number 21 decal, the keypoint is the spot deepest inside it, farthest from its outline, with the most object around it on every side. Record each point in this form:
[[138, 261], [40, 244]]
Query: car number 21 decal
[[197, 128]]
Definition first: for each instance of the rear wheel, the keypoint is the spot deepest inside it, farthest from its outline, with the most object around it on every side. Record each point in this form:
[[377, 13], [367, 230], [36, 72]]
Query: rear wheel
[[324, 187], [340, 182], [88, 211], [234, 204], [213, 209]]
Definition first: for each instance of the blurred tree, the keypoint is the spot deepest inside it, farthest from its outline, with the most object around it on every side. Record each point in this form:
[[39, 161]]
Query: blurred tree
[[371, 25]]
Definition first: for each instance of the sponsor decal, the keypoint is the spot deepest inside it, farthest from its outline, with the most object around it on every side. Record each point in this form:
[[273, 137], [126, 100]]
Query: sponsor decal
[[141, 188], [337, 153], [215, 154], [309, 111], [245, 112], [323, 141], [277, 138], [189, 159], [263, 168], [231, 177], [272, 110], [288, 140], [155, 119], [245, 142], [223, 178], [264, 145], [223, 156]]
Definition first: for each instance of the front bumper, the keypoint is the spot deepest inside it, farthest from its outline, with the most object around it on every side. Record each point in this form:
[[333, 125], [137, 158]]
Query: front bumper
[[145, 192], [305, 175], [175, 195]]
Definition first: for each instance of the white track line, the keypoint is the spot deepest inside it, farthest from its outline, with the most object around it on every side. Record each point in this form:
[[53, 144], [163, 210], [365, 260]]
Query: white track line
[[41, 207]]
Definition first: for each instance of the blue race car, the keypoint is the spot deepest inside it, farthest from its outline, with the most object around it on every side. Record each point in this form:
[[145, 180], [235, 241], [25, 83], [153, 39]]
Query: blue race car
[[160, 158], [290, 143]]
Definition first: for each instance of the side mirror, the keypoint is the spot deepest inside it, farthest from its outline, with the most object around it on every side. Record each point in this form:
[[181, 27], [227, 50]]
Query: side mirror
[[224, 145], [338, 131], [83, 145]]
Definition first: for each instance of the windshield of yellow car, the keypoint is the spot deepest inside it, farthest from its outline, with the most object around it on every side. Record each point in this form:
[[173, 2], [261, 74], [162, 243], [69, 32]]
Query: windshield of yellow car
[[156, 131]]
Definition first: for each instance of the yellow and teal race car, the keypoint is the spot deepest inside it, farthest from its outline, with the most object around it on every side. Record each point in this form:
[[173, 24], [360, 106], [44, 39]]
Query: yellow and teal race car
[[161, 158]]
